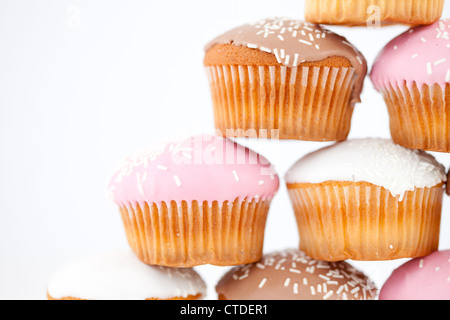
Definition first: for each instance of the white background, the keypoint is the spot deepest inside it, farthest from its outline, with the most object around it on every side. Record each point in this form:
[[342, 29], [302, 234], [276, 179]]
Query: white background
[[84, 82]]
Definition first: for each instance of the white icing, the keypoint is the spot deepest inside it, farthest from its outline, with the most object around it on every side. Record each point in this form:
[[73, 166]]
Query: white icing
[[120, 275], [377, 161]]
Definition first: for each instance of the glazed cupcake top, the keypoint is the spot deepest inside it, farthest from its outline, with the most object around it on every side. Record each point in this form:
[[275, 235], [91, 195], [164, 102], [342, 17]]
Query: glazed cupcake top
[[202, 168], [377, 161], [420, 279], [420, 55], [294, 42], [291, 275], [119, 275]]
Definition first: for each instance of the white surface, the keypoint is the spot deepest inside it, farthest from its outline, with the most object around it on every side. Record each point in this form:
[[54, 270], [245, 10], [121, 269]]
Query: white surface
[[85, 82], [378, 161], [120, 275]]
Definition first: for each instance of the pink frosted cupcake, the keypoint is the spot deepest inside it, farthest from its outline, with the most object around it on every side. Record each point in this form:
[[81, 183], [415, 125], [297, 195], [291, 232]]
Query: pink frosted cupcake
[[413, 74], [420, 279], [202, 200]]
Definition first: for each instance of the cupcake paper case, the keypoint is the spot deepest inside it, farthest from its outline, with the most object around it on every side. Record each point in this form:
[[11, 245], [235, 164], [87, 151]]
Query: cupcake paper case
[[201, 200], [119, 275], [420, 279], [359, 12], [367, 199], [292, 275], [282, 78], [413, 74]]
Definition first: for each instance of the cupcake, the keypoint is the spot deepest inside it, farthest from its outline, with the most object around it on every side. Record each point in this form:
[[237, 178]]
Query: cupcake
[[119, 275], [367, 199], [292, 275], [448, 184], [413, 74], [420, 279], [361, 12], [200, 200], [286, 79]]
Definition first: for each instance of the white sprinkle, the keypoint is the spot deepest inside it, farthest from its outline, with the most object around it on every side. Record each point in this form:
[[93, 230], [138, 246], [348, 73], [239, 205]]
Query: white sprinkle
[[294, 271], [429, 69], [421, 263], [295, 288], [283, 54], [324, 277], [414, 56], [162, 168], [328, 295], [447, 77], [281, 37], [448, 279], [436, 63], [266, 50], [423, 39], [313, 290], [286, 283], [305, 42], [437, 269], [261, 182], [355, 290], [252, 46], [186, 155], [177, 181], [317, 47], [311, 37], [235, 175], [141, 190], [305, 281], [339, 291], [294, 34], [395, 47], [359, 60], [260, 266], [263, 282], [391, 247]]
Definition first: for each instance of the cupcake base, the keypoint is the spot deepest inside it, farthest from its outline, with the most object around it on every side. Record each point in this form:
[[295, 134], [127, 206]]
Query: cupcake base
[[419, 119], [304, 103], [196, 297], [361, 221], [350, 12], [197, 233]]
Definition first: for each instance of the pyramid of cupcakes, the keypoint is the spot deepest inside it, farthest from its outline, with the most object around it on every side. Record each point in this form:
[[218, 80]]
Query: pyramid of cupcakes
[[205, 199]]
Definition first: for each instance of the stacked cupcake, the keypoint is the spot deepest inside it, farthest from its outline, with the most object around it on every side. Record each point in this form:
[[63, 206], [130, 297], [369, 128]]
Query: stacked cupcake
[[205, 199]]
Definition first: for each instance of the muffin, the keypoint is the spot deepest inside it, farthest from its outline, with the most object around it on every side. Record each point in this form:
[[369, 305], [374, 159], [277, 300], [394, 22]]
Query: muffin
[[420, 279], [367, 199], [200, 200], [291, 275], [119, 275], [413, 74], [284, 79], [448, 184], [361, 12]]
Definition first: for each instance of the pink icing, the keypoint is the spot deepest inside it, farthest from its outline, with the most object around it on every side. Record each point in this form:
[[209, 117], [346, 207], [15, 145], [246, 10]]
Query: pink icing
[[202, 168], [420, 55], [420, 279]]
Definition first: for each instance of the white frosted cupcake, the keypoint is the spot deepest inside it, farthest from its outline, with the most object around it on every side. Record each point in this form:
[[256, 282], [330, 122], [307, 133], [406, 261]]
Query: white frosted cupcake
[[367, 199], [120, 275]]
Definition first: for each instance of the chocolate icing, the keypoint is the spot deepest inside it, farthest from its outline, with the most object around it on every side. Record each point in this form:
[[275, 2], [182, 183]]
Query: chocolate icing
[[291, 275], [294, 42]]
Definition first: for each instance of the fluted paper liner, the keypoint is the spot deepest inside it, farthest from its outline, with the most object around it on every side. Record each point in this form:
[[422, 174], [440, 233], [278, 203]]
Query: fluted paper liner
[[195, 234], [361, 221], [419, 119], [358, 12], [190, 297], [304, 103]]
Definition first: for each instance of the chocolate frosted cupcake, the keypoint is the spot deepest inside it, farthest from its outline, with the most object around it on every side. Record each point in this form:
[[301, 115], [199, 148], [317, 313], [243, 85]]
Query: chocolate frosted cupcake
[[284, 79], [292, 275]]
